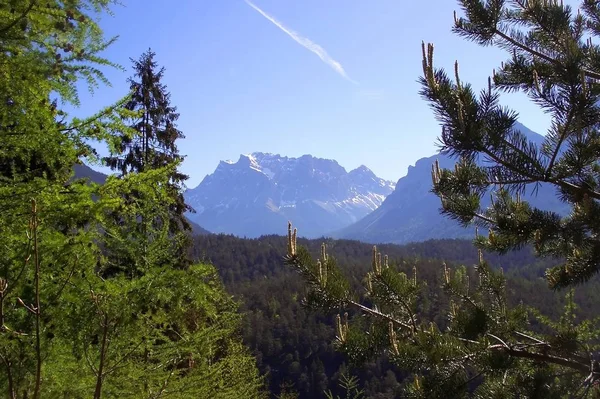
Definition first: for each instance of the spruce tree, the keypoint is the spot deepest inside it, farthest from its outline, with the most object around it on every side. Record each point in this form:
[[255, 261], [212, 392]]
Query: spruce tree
[[487, 348], [154, 143]]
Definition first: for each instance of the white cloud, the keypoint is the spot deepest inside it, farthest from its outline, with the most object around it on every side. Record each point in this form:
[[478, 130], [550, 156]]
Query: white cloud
[[306, 43]]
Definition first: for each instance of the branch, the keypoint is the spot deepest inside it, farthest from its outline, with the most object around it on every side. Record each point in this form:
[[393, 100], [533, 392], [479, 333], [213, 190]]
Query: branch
[[89, 362], [499, 340], [38, 347], [543, 56], [91, 119], [402, 303], [530, 337], [17, 20], [377, 313], [125, 356], [64, 284], [30, 309], [558, 182], [509, 182], [541, 357], [11, 390], [165, 384], [562, 138]]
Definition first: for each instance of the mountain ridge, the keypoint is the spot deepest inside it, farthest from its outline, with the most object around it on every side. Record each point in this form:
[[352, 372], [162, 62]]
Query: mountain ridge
[[412, 213], [258, 193]]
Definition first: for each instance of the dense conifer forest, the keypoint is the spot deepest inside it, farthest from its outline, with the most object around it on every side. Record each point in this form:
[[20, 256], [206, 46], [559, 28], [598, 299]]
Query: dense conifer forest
[[295, 347]]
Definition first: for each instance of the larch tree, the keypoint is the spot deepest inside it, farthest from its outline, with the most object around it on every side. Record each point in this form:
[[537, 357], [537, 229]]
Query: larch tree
[[487, 348], [67, 329]]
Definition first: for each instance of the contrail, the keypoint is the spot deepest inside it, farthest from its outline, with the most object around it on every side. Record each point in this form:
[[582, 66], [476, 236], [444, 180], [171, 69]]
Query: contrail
[[306, 43]]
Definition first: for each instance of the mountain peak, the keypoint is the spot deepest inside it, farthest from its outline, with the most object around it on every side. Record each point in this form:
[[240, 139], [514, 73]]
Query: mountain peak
[[261, 191], [362, 169]]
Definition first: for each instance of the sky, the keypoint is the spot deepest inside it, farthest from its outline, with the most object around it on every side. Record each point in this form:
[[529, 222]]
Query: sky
[[336, 79]]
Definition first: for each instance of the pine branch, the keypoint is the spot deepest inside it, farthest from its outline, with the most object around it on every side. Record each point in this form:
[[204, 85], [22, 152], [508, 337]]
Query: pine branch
[[380, 315], [542, 358], [560, 141], [510, 40]]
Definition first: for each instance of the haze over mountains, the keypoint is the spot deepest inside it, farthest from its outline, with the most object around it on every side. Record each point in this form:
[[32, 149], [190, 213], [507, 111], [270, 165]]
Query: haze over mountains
[[260, 192]]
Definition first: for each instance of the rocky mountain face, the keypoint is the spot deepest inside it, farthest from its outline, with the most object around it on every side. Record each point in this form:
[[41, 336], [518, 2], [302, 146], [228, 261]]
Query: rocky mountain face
[[411, 212], [260, 192]]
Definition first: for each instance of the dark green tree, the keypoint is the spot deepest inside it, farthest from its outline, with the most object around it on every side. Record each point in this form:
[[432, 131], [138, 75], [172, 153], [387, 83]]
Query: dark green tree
[[555, 61], [154, 142], [487, 348]]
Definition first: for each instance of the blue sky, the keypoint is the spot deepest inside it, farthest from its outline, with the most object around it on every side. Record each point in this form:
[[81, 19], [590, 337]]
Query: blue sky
[[243, 84]]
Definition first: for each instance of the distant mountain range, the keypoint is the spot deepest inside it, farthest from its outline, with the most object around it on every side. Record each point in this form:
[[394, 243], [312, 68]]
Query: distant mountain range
[[260, 192], [411, 212]]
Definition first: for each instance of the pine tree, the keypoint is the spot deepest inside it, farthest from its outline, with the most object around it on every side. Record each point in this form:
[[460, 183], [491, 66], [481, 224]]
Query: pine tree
[[487, 348], [555, 62], [154, 144]]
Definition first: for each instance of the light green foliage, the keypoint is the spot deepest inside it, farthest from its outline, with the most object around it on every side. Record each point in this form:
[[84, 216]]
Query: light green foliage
[[92, 300], [350, 385]]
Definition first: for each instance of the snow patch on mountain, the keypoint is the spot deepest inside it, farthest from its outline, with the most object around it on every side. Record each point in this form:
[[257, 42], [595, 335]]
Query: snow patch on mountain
[[260, 192]]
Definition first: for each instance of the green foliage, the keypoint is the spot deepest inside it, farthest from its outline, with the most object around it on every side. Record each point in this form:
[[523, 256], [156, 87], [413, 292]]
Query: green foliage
[[153, 144], [554, 61], [93, 300], [483, 346], [488, 348], [289, 338], [350, 385]]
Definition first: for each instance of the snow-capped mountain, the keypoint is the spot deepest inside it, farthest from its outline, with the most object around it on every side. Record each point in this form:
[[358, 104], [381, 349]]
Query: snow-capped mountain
[[260, 192]]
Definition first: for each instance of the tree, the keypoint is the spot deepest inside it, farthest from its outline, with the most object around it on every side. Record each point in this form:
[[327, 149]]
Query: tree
[[154, 143], [46, 49], [487, 348], [67, 330], [555, 62]]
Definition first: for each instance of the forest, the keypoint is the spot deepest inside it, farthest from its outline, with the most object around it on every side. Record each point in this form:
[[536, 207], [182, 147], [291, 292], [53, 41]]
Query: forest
[[295, 347], [107, 289]]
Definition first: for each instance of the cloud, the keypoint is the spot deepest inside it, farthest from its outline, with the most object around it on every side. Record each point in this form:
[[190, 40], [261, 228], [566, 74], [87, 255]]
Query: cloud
[[306, 43]]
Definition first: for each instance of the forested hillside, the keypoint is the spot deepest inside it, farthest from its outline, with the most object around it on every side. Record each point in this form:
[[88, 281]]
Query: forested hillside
[[295, 346]]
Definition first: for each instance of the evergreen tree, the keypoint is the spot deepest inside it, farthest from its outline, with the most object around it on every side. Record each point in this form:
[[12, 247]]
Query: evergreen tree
[[555, 61], [486, 348], [67, 330], [154, 143]]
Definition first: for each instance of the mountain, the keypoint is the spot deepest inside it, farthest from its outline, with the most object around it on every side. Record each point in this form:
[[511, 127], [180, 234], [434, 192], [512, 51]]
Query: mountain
[[411, 212], [259, 193], [85, 172]]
